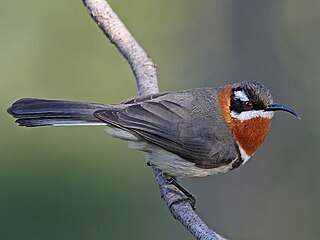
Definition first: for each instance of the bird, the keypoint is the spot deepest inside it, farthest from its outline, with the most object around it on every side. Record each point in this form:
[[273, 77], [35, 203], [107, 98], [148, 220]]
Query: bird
[[188, 133]]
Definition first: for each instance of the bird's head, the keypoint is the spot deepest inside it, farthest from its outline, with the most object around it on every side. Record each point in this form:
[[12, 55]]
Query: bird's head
[[248, 108]]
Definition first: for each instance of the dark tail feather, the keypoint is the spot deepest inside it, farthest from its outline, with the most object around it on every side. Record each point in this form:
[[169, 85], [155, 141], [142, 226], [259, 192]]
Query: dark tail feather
[[33, 112]]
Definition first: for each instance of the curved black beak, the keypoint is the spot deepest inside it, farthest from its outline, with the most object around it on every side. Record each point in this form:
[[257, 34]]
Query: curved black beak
[[279, 107]]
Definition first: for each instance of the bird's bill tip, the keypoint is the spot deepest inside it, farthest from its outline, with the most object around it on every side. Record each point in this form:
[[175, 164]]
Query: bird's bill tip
[[279, 107]]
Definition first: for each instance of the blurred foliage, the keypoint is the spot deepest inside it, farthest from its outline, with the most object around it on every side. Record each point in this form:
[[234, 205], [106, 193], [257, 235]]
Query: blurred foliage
[[77, 183]]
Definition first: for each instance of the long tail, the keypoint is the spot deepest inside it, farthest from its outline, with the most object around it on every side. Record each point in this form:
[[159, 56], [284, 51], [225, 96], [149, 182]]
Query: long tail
[[33, 112]]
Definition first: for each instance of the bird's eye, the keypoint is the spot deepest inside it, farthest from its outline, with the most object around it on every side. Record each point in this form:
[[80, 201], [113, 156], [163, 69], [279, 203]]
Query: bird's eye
[[248, 105]]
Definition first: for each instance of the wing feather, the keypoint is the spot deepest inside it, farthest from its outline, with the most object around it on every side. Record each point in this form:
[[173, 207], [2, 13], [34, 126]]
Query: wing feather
[[173, 126]]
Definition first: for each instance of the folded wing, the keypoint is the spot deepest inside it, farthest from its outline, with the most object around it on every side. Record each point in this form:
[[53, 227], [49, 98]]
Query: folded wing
[[170, 125]]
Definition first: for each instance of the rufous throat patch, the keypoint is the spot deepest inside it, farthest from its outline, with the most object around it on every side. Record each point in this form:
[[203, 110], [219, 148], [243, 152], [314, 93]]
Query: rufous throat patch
[[250, 133]]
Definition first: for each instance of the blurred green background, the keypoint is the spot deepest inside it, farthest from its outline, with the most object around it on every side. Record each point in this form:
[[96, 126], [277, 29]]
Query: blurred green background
[[78, 183]]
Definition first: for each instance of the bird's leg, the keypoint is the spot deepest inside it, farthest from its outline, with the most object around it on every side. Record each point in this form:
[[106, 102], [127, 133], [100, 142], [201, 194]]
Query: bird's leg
[[173, 181], [191, 198]]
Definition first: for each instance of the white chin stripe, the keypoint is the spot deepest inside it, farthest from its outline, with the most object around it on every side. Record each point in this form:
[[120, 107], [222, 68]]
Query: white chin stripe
[[246, 115], [241, 95]]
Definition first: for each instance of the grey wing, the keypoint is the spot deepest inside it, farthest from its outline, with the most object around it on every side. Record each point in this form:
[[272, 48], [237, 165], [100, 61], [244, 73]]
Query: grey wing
[[169, 125]]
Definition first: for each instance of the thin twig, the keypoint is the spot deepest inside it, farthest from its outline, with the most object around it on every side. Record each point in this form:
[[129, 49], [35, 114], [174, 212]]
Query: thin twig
[[142, 66], [183, 211], [145, 74]]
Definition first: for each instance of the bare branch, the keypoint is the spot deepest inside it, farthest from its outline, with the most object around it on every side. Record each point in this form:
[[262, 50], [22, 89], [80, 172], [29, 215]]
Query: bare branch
[[183, 211], [145, 74], [142, 66]]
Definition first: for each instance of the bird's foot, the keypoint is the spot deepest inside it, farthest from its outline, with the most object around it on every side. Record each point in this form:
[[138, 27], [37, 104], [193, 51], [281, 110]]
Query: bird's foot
[[190, 197]]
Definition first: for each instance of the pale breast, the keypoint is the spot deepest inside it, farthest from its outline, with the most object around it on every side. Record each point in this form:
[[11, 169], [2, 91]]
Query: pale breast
[[173, 165]]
